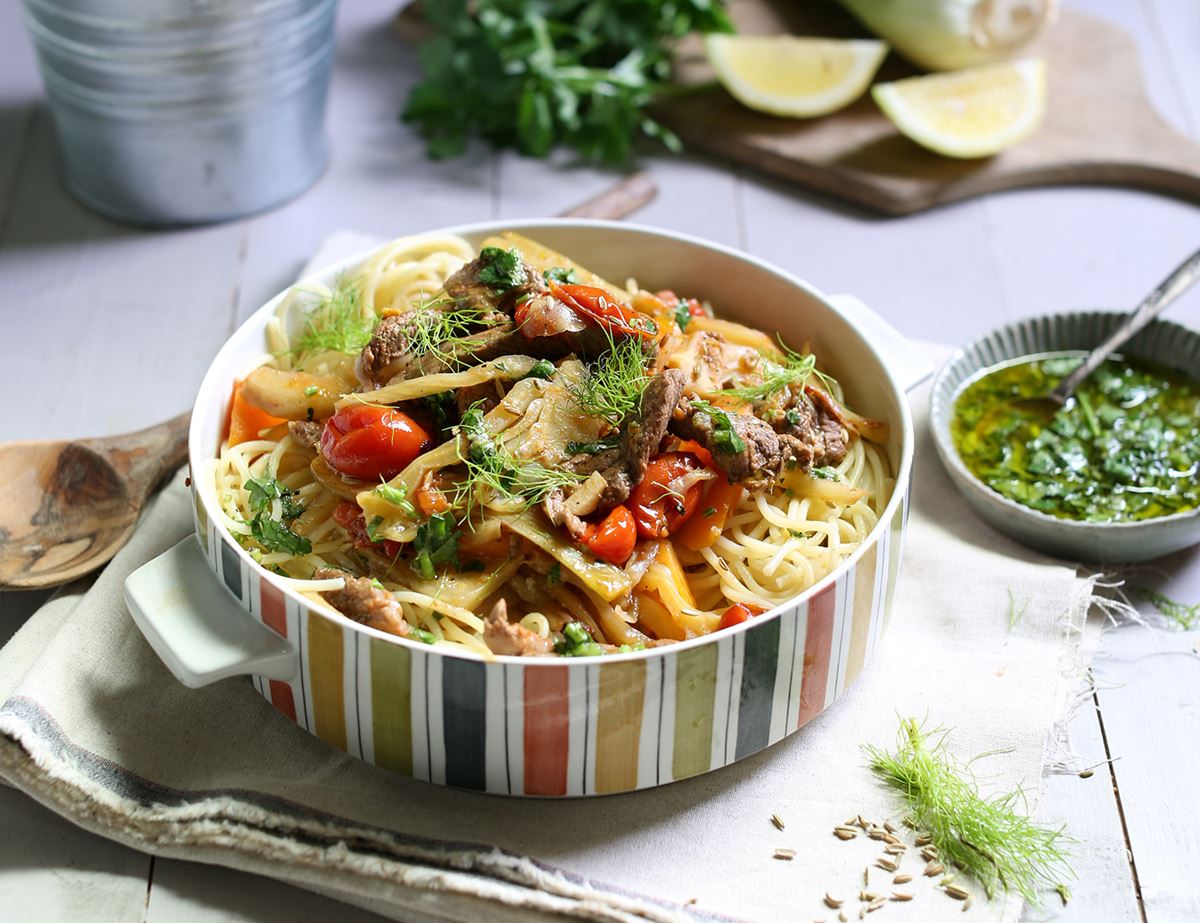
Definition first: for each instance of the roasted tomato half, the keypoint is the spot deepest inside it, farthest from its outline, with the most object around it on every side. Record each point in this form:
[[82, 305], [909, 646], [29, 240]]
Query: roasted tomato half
[[371, 442], [668, 493]]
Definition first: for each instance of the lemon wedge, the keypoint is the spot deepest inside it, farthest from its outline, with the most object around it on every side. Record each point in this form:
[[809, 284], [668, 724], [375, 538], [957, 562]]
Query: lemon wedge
[[791, 76], [969, 113]]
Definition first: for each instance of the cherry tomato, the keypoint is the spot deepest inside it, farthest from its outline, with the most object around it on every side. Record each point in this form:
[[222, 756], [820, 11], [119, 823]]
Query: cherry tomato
[[657, 508], [596, 306], [350, 517], [371, 442], [613, 539], [738, 613]]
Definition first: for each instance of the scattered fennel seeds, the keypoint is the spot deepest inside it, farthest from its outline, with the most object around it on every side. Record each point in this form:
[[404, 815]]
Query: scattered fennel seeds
[[983, 836]]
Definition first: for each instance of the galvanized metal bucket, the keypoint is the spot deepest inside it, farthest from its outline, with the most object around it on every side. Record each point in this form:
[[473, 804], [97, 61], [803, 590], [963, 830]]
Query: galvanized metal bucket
[[186, 111]]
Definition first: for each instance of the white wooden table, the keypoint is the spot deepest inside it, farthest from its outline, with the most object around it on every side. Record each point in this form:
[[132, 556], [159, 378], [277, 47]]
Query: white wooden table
[[107, 329]]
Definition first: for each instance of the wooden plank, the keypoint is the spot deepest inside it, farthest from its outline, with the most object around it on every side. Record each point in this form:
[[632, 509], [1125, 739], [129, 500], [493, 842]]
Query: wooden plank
[[1087, 807], [212, 894], [932, 275], [115, 326], [53, 870], [1150, 696]]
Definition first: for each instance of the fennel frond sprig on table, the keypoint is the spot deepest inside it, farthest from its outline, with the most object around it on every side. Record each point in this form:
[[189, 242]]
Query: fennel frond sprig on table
[[986, 837]]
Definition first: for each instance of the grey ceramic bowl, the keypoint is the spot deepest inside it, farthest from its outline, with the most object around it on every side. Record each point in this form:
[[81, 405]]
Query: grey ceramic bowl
[[1126, 542]]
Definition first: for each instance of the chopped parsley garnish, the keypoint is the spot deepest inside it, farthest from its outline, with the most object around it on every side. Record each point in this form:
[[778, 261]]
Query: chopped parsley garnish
[[436, 544], [792, 417], [372, 526], [725, 438], [563, 275], [428, 637], [444, 409], [311, 390], [708, 512], [824, 473], [577, 642], [397, 497], [502, 269], [275, 534], [554, 575], [683, 316], [592, 448], [543, 368], [491, 464]]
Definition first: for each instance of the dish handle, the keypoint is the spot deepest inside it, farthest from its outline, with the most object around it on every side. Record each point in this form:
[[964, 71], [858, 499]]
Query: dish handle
[[904, 359], [196, 626]]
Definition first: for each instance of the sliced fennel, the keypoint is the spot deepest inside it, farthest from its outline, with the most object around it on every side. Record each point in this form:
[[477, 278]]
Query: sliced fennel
[[949, 34]]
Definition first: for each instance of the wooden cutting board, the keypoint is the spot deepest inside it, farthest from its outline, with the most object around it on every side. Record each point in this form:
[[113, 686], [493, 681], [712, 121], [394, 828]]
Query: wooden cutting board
[[1099, 126]]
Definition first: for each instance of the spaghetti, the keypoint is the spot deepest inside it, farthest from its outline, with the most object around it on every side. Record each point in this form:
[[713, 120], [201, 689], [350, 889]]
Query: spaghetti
[[502, 452]]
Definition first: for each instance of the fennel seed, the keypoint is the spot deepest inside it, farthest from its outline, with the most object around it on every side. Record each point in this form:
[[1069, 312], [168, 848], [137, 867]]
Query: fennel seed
[[875, 905], [889, 826], [844, 833], [786, 854], [886, 864], [902, 879], [867, 896], [934, 868], [894, 850], [833, 903], [777, 821], [842, 917], [1087, 774], [956, 892], [866, 875], [876, 833], [901, 896], [967, 904]]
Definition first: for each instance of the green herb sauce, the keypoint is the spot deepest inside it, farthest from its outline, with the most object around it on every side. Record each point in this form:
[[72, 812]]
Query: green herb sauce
[[1125, 447]]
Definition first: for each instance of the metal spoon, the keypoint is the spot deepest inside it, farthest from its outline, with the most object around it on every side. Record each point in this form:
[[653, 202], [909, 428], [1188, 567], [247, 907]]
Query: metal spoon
[[66, 507], [1152, 305]]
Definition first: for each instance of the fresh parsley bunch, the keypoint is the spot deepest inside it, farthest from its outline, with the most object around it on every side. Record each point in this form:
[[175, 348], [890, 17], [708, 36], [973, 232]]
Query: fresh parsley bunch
[[532, 74]]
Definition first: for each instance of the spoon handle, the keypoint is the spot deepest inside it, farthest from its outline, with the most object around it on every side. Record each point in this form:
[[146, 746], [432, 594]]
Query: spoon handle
[[1152, 305]]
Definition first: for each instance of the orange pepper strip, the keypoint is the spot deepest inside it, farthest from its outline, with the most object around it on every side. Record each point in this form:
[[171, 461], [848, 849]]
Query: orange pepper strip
[[702, 531], [245, 420]]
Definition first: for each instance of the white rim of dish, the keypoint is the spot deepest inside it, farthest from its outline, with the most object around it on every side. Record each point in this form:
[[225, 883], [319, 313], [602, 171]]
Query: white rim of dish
[[901, 479]]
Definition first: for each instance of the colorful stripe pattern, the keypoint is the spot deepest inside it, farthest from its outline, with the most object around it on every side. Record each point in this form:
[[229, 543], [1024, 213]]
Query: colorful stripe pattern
[[552, 729]]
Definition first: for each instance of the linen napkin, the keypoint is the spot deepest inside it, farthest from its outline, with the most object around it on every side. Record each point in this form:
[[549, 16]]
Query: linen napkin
[[93, 726]]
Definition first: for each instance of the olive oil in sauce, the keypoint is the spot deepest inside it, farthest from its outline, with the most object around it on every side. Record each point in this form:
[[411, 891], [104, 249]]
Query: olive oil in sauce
[[1125, 447]]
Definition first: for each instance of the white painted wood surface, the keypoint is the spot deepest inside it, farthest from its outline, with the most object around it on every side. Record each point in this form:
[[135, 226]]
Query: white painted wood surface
[[93, 312]]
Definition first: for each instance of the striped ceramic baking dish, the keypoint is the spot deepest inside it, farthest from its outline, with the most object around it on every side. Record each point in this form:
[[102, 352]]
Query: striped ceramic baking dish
[[552, 726]]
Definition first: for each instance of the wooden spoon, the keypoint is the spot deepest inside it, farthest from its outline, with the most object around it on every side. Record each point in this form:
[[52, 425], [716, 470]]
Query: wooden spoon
[[67, 507]]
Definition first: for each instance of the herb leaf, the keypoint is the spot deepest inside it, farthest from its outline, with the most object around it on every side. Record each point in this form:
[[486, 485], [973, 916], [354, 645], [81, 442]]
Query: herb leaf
[[683, 316], [725, 438], [563, 275], [531, 76], [613, 387], [792, 372], [436, 543], [339, 322], [502, 269], [492, 465], [397, 497], [275, 536], [577, 642]]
